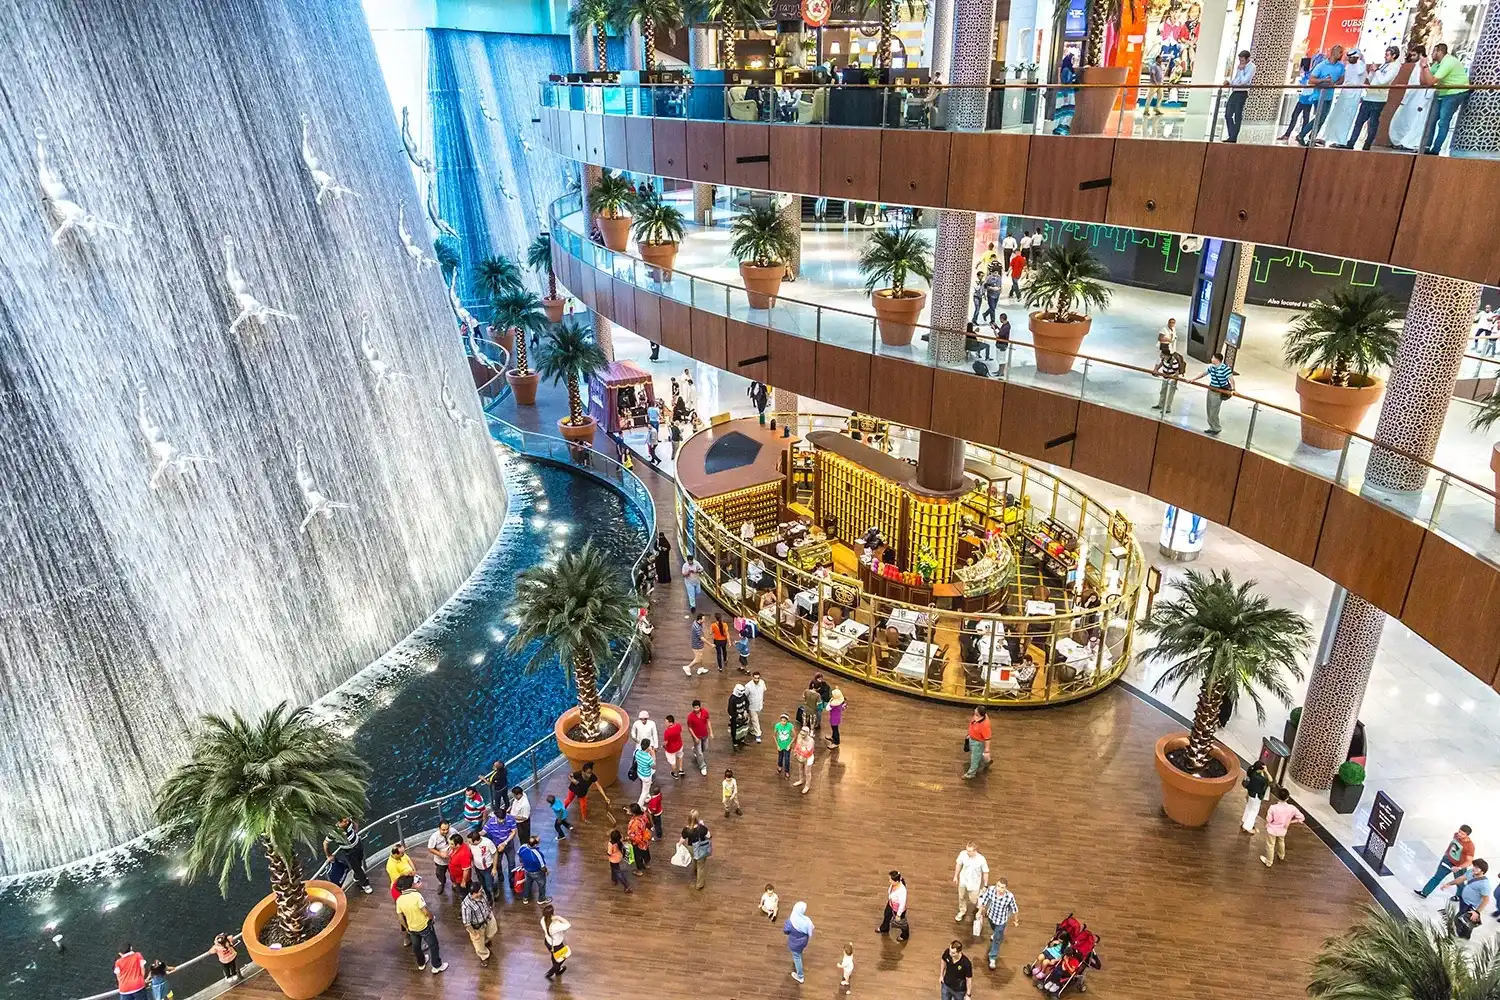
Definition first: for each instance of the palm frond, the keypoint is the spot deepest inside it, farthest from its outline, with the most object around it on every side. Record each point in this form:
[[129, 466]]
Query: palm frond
[[612, 195], [1486, 413], [495, 277], [1066, 278], [569, 354], [596, 15], [891, 254], [1347, 332], [539, 254], [762, 237], [656, 220], [520, 310], [1389, 957]]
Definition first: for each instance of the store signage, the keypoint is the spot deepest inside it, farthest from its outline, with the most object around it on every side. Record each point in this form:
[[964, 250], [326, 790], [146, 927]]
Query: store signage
[[1075, 22], [815, 13], [1385, 823]]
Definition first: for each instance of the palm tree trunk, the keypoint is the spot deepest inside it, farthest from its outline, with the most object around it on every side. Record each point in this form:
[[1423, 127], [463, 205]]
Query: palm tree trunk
[[1422, 18], [1093, 42], [521, 360], [601, 48], [551, 282], [648, 38], [1205, 724], [726, 38], [587, 680], [575, 402], [291, 896], [887, 26]]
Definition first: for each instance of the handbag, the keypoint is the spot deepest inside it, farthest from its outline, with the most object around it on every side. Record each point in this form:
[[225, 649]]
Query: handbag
[[703, 849], [966, 744], [560, 953], [629, 853], [682, 857], [900, 922], [634, 774]]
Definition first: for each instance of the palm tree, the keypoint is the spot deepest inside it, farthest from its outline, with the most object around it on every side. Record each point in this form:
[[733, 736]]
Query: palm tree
[[733, 16], [570, 356], [652, 14], [1229, 641], [762, 237], [612, 196], [1387, 957], [1066, 277], [268, 785], [539, 259], [522, 312], [1345, 334], [595, 16], [1100, 14], [497, 276], [888, 11], [657, 221], [890, 255], [573, 611]]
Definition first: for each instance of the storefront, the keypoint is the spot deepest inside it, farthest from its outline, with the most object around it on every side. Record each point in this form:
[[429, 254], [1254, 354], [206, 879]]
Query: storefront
[[620, 390]]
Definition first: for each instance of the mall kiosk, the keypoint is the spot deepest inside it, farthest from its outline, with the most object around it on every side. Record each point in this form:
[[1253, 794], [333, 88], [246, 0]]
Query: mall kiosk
[[620, 389]]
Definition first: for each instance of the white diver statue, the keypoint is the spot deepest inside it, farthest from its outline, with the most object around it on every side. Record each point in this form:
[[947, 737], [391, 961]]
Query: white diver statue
[[322, 178], [465, 318], [250, 307], [168, 457], [314, 500], [450, 406], [69, 214], [488, 113], [413, 251], [422, 163], [385, 373], [438, 222]]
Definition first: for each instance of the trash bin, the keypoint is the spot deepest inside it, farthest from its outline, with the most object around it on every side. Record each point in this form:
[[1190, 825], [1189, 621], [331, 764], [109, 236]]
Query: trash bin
[[1274, 754]]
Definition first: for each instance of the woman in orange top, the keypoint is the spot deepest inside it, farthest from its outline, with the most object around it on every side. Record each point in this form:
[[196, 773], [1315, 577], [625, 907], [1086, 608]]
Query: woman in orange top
[[719, 631], [639, 834], [979, 742]]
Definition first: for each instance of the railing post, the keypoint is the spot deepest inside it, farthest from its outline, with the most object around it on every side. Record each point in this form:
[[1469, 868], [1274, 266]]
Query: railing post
[[1437, 504], [533, 767], [1250, 431], [1338, 475], [400, 832]]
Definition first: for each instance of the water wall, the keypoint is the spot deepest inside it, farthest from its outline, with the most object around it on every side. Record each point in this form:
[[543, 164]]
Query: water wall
[[174, 457]]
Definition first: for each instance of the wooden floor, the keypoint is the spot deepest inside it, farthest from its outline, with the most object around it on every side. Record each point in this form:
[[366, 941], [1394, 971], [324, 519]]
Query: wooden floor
[[1070, 816]]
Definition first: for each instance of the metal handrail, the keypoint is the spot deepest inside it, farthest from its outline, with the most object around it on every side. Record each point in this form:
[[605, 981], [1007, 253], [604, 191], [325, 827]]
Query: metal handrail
[[1008, 85]]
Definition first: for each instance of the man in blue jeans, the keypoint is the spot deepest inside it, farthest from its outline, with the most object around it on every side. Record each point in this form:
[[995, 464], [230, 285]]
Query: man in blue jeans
[[1325, 76], [535, 867], [1449, 75], [999, 906]]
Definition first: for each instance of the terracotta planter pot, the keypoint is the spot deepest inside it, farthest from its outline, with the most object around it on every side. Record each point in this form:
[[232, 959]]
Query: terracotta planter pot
[[1092, 105], [605, 755], [1336, 405], [523, 387], [1188, 800], [304, 970], [897, 318], [505, 338], [554, 309], [660, 256], [1495, 468], [616, 231], [762, 284], [1057, 344], [577, 432]]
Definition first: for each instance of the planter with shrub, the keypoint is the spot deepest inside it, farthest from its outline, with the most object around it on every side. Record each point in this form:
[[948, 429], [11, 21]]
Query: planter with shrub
[[539, 258], [571, 356], [1067, 284], [1335, 346], [891, 256], [658, 231], [612, 199], [1348, 786], [763, 243], [1289, 731]]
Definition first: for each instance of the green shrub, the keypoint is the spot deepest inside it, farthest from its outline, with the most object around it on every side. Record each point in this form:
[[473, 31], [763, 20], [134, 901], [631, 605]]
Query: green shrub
[[1352, 773]]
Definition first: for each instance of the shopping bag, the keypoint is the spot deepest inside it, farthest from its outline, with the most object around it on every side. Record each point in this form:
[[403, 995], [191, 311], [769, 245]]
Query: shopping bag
[[560, 953], [682, 858]]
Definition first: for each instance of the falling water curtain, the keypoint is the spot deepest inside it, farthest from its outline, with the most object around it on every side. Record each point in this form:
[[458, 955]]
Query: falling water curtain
[[495, 178]]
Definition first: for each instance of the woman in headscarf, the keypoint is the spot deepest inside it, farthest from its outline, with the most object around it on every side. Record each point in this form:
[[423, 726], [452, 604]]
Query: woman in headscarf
[[663, 558], [798, 930]]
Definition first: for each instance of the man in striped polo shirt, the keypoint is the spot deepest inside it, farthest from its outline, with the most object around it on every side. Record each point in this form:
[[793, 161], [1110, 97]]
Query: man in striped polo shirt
[[1220, 386]]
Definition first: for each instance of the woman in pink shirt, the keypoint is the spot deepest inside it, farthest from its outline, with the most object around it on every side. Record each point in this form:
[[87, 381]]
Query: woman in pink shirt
[[1279, 818]]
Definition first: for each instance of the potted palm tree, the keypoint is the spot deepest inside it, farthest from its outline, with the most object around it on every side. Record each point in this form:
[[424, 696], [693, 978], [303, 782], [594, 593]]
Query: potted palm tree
[[1336, 345], [889, 256], [570, 356], [574, 611], [1348, 786], [734, 16], [520, 312], [539, 259], [658, 231], [1102, 85], [595, 16], [1232, 644], [1392, 956], [1065, 279], [445, 250], [762, 242], [612, 199], [494, 278], [266, 787], [652, 14]]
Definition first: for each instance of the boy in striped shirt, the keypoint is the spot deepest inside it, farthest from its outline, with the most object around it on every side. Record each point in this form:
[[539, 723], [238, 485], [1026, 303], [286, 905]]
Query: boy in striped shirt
[[1220, 386]]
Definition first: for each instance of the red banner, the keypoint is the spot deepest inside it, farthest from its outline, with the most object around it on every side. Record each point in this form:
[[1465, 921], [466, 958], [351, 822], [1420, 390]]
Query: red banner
[[815, 13]]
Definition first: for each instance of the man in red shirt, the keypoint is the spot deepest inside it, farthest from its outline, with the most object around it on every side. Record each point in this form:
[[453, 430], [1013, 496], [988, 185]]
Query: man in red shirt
[[1017, 265], [671, 743], [979, 742], [699, 726], [130, 974], [460, 864]]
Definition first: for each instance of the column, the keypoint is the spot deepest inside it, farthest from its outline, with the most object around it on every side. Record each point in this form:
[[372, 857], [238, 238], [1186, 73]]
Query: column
[[941, 59], [791, 215], [940, 462], [703, 204], [1207, 67], [635, 48], [581, 44], [1271, 51], [1351, 636], [701, 48], [1420, 387], [784, 401], [1476, 133], [1244, 267]]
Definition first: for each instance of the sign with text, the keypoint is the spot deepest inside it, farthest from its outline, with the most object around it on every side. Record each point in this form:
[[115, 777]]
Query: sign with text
[[1385, 823]]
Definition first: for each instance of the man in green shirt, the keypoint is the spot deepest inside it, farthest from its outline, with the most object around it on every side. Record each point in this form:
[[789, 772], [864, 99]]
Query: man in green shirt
[[1451, 77], [784, 732]]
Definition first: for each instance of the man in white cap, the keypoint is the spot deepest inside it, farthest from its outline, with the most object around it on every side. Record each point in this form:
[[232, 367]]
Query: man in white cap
[[644, 728]]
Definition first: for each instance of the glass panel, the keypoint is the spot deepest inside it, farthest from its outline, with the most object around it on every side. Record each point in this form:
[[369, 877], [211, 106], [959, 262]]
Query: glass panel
[[710, 296], [1467, 516], [1129, 390], [1024, 371], [846, 329]]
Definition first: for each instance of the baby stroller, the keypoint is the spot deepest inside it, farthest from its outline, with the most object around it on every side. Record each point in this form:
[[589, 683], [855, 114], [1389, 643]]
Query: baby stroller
[[1065, 960]]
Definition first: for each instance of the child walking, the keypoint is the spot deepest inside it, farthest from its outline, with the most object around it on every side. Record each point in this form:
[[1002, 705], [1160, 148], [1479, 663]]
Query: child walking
[[560, 822], [783, 732], [731, 792], [769, 901], [653, 809], [742, 647], [615, 851], [229, 958], [846, 965]]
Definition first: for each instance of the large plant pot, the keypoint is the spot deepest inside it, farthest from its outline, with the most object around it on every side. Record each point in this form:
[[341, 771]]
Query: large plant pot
[[1057, 344], [616, 232], [661, 256], [762, 284], [1331, 404], [1188, 800], [554, 309], [577, 432], [1344, 798], [605, 754], [304, 970], [505, 338], [897, 317], [1092, 105], [523, 387]]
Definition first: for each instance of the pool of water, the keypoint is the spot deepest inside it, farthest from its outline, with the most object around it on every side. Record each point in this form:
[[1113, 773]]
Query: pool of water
[[427, 723]]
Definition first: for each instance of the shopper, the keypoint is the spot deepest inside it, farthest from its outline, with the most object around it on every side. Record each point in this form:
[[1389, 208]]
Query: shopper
[[560, 824], [498, 779], [674, 437], [978, 293], [1473, 890], [460, 865], [614, 850], [1169, 368], [398, 863], [729, 791], [643, 767], [130, 974], [1157, 92], [479, 920], [520, 808], [978, 742], [474, 807], [502, 831], [1017, 268], [1220, 387], [701, 727], [719, 632], [654, 809], [695, 640], [742, 647], [803, 752], [692, 572], [416, 920], [1167, 335], [958, 973], [836, 706], [644, 728], [1256, 784], [846, 966], [638, 833], [156, 979], [999, 906], [438, 850], [784, 733], [580, 784], [895, 908], [798, 930], [228, 956], [994, 285], [1234, 108], [1279, 818], [971, 873], [755, 693], [663, 558], [1323, 78], [348, 846], [1372, 99], [1459, 853], [534, 868], [1448, 73], [1340, 121], [672, 746], [1306, 97], [485, 855], [555, 937], [700, 844]]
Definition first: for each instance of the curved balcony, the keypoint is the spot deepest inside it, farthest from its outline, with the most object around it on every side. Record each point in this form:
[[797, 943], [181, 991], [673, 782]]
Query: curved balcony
[[1402, 210], [1415, 555]]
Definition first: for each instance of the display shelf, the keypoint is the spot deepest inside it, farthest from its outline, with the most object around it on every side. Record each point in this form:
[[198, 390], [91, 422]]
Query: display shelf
[[1055, 547], [760, 504], [857, 499], [933, 526]]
